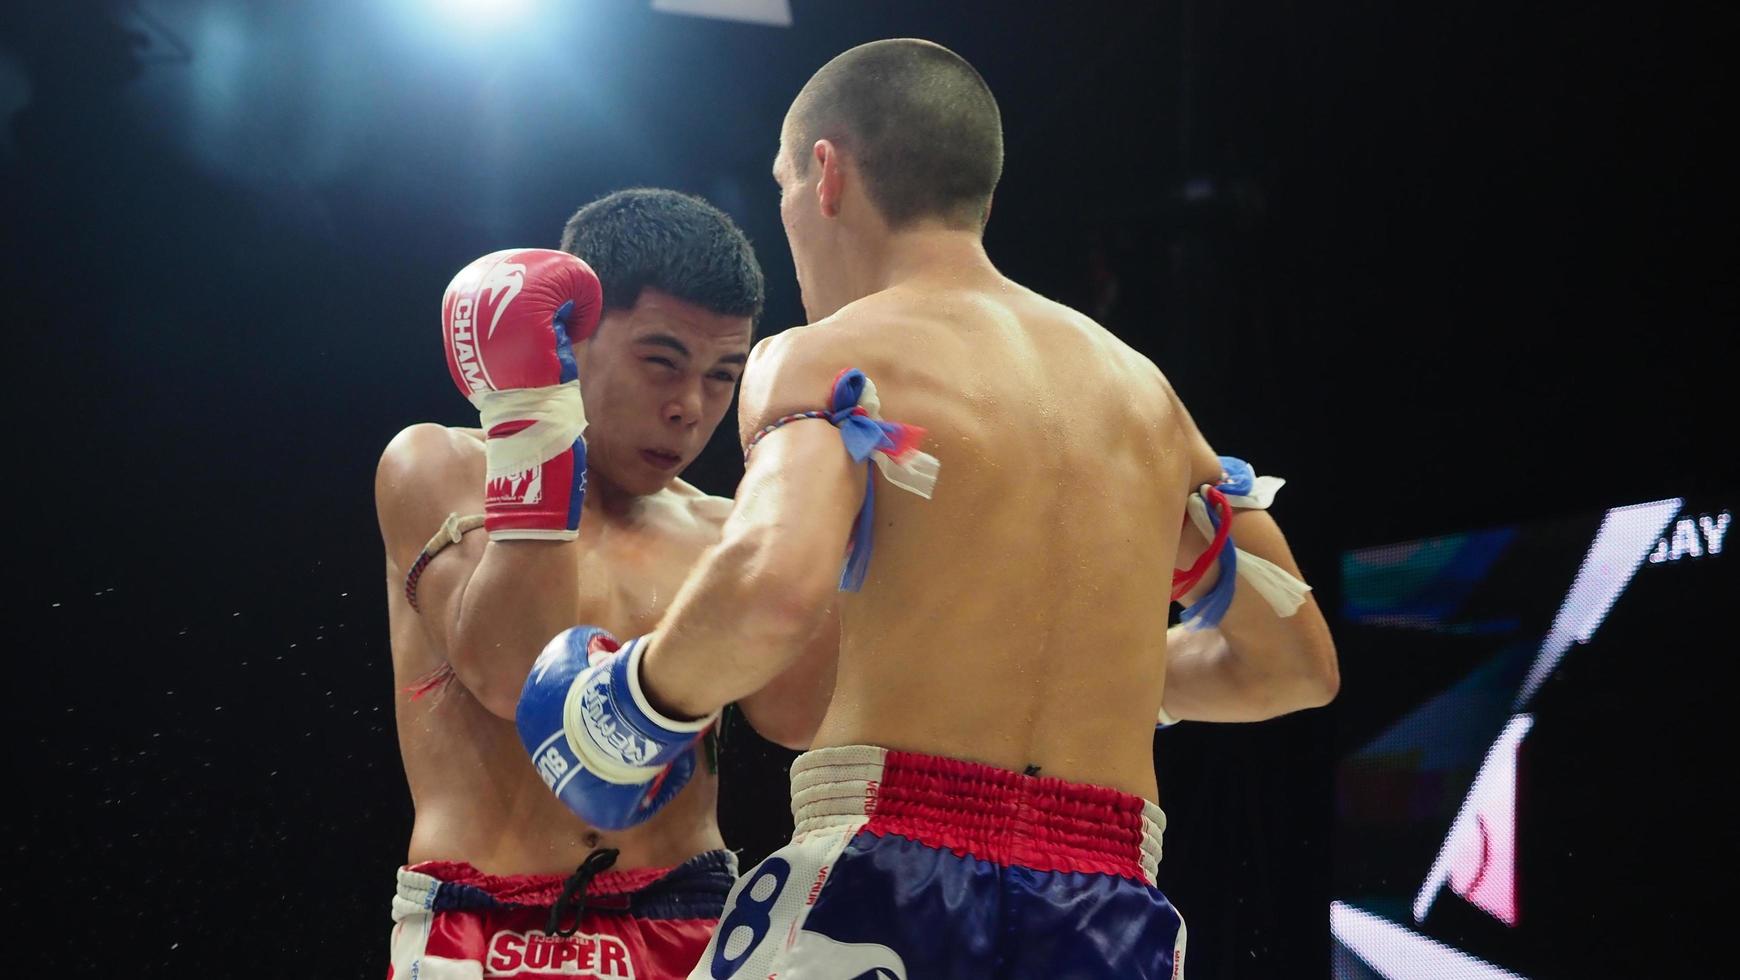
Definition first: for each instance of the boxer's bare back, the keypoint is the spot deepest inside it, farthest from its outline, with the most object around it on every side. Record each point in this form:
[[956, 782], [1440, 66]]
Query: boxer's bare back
[[1019, 617]]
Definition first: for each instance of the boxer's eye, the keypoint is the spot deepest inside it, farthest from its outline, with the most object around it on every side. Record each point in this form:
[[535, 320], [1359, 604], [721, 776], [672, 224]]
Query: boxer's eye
[[725, 376], [664, 361]]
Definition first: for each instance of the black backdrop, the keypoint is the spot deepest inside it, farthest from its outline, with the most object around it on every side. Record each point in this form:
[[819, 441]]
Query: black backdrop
[[1439, 265]]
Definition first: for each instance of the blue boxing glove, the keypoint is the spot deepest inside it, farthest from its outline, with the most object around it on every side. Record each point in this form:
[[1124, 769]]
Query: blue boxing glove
[[599, 745]]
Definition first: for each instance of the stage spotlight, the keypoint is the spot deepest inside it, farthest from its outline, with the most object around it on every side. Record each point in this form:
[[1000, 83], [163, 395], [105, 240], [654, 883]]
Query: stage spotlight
[[483, 13]]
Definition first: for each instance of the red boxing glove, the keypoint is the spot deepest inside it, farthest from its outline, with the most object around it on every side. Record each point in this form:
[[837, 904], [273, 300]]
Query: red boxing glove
[[509, 320]]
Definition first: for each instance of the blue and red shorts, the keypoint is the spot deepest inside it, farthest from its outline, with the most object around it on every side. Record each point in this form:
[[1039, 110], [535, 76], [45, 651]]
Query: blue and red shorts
[[452, 922], [912, 866]]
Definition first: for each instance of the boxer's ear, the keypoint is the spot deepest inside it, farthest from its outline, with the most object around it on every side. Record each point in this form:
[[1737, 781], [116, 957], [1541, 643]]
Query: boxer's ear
[[831, 181]]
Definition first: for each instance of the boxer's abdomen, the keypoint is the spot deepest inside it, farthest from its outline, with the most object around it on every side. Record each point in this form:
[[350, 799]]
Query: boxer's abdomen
[[479, 800]]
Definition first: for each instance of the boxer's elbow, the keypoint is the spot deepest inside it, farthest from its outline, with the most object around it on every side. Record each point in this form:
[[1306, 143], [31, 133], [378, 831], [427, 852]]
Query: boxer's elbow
[[1314, 682], [479, 667], [1294, 672], [788, 710], [1326, 684], [1315, 691], [1322, 675], [501, 700], [789, 725]]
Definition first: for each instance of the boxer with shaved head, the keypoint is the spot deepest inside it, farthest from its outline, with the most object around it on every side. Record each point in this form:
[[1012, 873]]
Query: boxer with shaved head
[[1019, 497]]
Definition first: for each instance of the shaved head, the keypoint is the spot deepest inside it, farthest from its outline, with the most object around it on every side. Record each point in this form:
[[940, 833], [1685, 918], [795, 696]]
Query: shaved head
[[919, 122]]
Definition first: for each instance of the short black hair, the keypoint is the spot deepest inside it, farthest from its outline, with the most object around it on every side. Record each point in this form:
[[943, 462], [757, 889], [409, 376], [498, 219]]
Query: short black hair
[[669, 241], [920, 122]]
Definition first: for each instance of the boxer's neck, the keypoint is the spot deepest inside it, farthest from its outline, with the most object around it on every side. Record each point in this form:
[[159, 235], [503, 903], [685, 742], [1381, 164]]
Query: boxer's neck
[[924, 253], [609, 501]]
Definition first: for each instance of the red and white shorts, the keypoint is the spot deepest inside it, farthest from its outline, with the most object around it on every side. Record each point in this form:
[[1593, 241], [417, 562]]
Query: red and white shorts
[[452, 922]]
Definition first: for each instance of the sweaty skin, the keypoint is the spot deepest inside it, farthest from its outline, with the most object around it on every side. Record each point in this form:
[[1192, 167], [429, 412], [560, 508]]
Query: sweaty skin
[[656, 376], [1018, 617], [477, 796]]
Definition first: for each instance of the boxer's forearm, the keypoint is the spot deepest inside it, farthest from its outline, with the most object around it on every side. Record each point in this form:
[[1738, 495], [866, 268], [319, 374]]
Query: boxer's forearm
[[747, 612], [743, 617], [521, 594], [1260, 664]]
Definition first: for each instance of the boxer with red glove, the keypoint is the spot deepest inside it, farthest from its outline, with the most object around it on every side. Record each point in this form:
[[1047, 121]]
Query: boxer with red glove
[[599, 372]]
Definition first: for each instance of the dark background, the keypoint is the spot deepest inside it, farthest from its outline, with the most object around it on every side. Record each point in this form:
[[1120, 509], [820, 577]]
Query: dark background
[[1441, 265]]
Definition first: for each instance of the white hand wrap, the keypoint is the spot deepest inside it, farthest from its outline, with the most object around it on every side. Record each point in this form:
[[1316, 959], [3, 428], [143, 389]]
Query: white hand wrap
[[558, 418]]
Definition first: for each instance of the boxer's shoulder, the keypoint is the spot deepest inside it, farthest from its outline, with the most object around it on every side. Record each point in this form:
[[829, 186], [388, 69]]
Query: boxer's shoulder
[[770, 353], [790, 372], [856, 336], [429, 453], [426, 472], [426, 440]]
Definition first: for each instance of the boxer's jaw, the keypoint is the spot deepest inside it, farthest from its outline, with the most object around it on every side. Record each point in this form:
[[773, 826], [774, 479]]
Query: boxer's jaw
[[809, 231], [840, 242]]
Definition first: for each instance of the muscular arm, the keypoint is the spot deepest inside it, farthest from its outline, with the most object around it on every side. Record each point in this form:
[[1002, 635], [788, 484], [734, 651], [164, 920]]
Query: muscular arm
[[489, 606], [1256, 665], [758, 598], [789, 709]]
